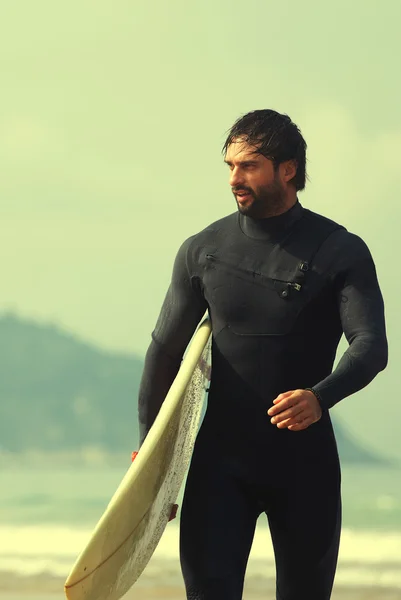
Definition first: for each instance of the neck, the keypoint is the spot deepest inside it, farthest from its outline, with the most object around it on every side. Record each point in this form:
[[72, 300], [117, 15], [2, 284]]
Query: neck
[[289, 203], [271, 227]]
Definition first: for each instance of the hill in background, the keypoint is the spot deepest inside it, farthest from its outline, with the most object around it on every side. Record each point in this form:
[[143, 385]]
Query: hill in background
[[60, 394]]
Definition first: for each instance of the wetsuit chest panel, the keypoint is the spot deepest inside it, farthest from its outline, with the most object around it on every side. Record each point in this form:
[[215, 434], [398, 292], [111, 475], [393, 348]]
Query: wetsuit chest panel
[[250, 297]]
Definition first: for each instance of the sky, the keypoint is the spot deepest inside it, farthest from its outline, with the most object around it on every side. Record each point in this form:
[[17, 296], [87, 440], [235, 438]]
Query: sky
[[112, 119]]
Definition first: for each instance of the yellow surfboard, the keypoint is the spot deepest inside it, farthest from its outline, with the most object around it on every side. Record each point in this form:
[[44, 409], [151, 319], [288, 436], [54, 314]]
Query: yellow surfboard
[[127, 534]]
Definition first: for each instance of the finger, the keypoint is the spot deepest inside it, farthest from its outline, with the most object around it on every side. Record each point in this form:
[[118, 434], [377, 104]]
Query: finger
[[284, 404], [299, 418], [286, 424], [300, 426], [282, 396], [289, 414]]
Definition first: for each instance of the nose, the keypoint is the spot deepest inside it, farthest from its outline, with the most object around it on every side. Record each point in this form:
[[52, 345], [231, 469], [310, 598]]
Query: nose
[[236, 179]]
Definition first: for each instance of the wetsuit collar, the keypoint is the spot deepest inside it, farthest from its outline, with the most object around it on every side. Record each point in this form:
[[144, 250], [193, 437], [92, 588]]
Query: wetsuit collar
[[272, 226]]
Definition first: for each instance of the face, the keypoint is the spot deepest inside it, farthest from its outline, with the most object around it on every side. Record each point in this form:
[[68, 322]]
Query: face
[[259, 189]]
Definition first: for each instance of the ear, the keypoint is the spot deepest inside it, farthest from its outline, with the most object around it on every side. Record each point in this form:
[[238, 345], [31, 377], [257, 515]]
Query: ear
[[288, 170]]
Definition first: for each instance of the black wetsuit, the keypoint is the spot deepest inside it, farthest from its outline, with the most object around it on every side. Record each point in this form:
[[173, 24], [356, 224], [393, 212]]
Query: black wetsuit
[[279, 292]]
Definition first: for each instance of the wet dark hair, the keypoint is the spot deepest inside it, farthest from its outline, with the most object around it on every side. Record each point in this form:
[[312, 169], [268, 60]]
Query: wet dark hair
[[275, 136]]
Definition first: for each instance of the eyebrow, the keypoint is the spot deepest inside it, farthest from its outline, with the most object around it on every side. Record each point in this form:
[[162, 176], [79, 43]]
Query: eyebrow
[[242, 162]]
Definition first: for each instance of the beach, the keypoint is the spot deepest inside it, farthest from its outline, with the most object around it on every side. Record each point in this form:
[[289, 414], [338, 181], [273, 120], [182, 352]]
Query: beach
[[48, 515], [48, 587]]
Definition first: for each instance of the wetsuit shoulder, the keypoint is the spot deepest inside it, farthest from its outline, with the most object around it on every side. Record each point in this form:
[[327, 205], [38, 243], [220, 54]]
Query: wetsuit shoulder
[[191, 247], [345, 240], [321, 221], [352, 246], [341, 248], [348, 251], [223, 224]]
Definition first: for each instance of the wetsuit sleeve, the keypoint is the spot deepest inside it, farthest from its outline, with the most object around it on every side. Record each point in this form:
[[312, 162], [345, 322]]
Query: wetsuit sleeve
[[181, 312], [361, 311]]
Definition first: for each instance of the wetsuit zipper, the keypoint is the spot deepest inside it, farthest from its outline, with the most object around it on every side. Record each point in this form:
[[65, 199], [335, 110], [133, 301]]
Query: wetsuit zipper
[[295, 286]]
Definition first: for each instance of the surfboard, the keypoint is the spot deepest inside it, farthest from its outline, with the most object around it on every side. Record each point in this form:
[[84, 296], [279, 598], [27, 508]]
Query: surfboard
[[130, 529]]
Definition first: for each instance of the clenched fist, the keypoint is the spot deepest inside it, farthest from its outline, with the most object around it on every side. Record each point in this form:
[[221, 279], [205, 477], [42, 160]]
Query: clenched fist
[[295, 410]]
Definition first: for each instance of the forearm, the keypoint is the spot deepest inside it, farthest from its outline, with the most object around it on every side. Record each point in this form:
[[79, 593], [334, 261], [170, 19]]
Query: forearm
[[358, 366], [159, 373]]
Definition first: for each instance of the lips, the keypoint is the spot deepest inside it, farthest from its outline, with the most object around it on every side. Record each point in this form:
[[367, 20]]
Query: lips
[[242, 196]]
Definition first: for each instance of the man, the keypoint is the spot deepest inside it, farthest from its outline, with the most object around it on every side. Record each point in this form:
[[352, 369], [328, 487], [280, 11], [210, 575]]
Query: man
[[281, 284]]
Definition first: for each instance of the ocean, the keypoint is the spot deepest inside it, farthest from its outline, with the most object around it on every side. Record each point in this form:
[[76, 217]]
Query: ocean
[[47, 515]]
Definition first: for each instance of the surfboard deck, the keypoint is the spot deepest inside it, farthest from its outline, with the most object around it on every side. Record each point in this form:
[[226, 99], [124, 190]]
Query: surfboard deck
[[127, 534]]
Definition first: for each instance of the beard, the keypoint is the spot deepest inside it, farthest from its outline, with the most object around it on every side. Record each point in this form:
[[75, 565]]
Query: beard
[[267, 201]]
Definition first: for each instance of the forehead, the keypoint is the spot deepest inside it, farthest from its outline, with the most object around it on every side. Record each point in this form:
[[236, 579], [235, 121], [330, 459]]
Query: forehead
[[240, 151]]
